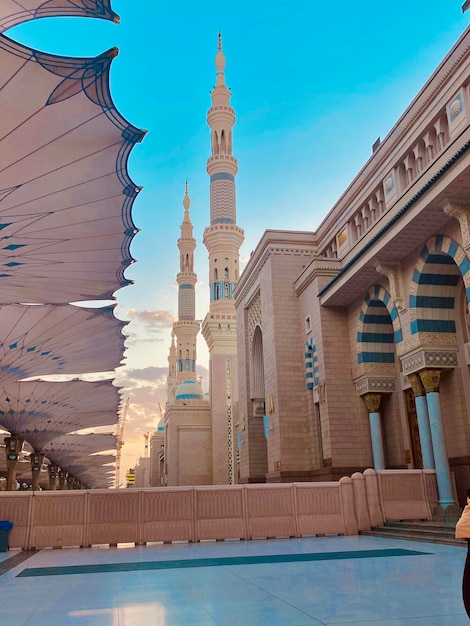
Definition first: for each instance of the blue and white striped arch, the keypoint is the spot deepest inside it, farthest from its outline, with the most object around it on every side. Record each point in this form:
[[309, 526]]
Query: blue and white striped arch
[[379, 328], [441, 266], [311, 364]]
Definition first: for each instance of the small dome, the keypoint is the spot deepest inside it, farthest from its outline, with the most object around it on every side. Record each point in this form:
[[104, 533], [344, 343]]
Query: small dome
[[161, 426], [189, 390]]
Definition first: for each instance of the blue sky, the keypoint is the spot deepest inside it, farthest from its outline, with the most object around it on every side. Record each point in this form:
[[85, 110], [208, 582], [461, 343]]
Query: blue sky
[[314, 84]]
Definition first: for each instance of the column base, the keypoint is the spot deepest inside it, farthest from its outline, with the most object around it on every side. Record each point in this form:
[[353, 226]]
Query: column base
[[450, 513]]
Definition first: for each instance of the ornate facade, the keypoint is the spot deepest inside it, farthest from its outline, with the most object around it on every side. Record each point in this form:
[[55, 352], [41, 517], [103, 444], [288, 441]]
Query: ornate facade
[[353, 341]]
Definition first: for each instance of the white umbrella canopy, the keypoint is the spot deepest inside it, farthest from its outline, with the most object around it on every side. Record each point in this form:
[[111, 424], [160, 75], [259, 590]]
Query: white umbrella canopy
[[65, 192], [94, 470], [58, 339], [75, 446], [70, 451], [13, 12], [40, 411]]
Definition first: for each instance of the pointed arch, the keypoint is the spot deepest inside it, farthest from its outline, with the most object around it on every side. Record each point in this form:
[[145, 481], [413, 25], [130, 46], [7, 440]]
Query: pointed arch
[[379, 328], [434, 285], [257, 363]]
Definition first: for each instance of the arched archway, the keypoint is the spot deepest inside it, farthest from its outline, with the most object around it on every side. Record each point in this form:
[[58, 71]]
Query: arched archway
[[434, 287], [258, 441], [378, 333]]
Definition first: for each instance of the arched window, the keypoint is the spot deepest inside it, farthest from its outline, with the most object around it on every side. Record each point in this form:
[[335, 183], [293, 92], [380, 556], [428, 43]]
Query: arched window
[[226, 273], [216, 274], [257, 365], [226, 291]]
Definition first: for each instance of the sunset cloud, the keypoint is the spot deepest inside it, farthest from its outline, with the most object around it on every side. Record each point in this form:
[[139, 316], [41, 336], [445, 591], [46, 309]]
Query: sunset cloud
[[160, 318]]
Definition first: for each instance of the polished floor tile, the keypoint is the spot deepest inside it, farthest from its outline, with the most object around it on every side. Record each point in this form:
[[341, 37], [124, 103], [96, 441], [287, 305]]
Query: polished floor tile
[[339, 581]]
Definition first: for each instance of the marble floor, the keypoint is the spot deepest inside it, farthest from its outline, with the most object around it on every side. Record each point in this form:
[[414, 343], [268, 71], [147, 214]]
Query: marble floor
[[366, 581]]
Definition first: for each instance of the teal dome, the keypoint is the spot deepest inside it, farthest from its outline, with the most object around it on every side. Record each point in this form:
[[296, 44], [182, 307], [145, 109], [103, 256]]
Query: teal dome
[[161, 426], [189, 390]]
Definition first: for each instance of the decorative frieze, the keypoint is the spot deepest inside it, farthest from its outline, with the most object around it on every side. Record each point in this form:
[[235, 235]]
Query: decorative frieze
[[443, 359], [375, 385], [425, 341], [362, 370]]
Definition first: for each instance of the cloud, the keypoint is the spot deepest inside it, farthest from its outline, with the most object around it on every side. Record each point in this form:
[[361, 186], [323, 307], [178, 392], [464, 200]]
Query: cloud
[[135, 341], [128, 376], [160, 318]]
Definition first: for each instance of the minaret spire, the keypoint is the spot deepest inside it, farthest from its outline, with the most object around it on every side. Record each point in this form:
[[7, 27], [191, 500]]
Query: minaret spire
[[185, 330], [222, 239]]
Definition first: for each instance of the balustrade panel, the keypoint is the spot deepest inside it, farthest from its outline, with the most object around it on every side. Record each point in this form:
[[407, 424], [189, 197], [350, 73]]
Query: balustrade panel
[[319, 510], [114, 516], [16, 508], [403, 495], [58, 519], [270, 511], [220, 512], [167, 514]]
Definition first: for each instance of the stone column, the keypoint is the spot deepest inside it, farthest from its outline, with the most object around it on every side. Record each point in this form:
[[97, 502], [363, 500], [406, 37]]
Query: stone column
[[430, 379], [372, 401], [53, 471], [423, 421], [13, 446], [36, 459]]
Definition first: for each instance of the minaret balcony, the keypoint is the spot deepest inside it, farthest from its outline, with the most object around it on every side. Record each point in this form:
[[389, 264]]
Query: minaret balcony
[[186, 277], [222, 163], [216, 114], [223, 234]]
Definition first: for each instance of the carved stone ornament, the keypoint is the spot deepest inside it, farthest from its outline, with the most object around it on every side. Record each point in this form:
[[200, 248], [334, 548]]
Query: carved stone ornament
[[427, 341], [430, 380], [372, 401], [393, 272], [375, 385], [416, 385], [375, 370], [445, 359], [462, 214]]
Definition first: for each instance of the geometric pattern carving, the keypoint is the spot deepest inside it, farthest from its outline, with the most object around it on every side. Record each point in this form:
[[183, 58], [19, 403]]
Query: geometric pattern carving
[[254, 317], [444, 359], [375, 385], [230, 451]]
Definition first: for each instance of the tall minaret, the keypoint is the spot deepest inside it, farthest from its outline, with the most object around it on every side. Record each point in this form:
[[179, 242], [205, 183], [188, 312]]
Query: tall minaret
[[222, 239], [182, 358]]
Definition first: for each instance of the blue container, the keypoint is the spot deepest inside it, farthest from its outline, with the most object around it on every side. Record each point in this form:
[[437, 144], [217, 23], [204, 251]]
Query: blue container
[[5, 528]]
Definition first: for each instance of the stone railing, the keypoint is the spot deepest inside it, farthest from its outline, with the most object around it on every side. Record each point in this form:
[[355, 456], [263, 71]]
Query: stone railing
[[139, 516]]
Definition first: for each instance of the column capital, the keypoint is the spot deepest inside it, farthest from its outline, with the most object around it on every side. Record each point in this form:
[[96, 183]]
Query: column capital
[[372, 401], [430, 379], [416, 385]]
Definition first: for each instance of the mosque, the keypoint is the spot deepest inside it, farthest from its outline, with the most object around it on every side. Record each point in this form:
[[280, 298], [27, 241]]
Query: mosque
[[344, 348]]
